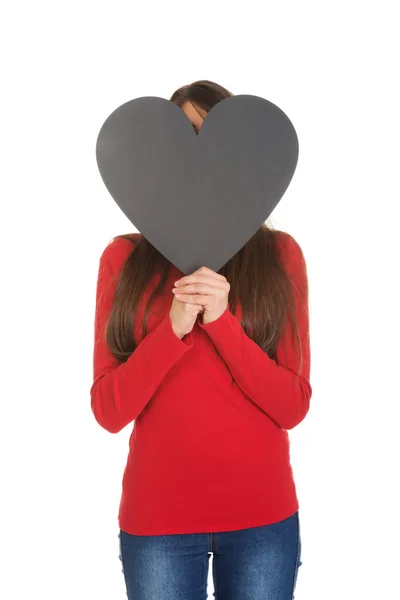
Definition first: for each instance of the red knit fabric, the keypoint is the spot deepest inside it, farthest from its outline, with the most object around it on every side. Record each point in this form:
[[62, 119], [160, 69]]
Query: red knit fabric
[[209, 449]]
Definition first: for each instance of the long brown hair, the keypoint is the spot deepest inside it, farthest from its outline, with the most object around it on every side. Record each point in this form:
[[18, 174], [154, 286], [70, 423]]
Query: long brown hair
[[256, 275]]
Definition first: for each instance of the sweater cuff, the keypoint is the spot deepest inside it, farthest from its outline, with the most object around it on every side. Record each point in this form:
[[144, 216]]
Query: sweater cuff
[[219, 325]]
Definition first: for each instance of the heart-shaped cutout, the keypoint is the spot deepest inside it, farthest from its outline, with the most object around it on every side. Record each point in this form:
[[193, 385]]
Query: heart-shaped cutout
[[198, 198]]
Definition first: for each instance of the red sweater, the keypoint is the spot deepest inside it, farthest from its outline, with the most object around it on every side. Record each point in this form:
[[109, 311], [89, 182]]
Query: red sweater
[[209, 449]]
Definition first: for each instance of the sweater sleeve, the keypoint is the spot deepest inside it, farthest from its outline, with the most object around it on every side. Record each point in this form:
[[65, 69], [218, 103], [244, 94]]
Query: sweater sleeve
[[120, 391], [274, 386]]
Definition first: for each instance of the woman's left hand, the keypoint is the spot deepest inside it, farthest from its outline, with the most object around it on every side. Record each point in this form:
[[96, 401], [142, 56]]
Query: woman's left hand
[[205, 287]]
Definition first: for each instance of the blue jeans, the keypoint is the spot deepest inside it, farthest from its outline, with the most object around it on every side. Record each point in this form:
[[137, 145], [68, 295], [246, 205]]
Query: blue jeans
[[258, 563]]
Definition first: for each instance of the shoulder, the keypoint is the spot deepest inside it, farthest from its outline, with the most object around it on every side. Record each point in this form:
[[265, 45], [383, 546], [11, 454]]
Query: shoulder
[[288, 246], [292, 258], [118, 249]]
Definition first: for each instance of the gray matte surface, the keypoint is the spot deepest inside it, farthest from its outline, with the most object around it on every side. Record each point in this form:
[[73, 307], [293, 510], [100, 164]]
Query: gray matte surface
[[197, 198]]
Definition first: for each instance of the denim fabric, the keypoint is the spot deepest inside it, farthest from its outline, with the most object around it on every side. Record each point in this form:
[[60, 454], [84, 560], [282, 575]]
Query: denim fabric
[[259, 563]]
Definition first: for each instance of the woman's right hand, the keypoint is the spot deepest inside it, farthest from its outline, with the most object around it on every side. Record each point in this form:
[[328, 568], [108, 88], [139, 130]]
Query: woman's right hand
[[183, 316]]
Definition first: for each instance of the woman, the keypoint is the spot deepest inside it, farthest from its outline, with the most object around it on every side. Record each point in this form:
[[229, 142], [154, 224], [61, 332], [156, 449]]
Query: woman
[[213, 369]]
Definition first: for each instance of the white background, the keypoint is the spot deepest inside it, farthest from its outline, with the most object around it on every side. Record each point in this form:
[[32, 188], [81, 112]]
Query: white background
[[66, 66]]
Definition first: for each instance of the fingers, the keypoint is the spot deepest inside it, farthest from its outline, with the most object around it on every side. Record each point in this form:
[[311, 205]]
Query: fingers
[[193, 299], [195, 305], [206, 271], [202, 275], [197, 288]]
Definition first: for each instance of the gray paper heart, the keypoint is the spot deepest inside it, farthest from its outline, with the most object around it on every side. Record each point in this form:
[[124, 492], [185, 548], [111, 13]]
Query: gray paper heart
[[198, 198]]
